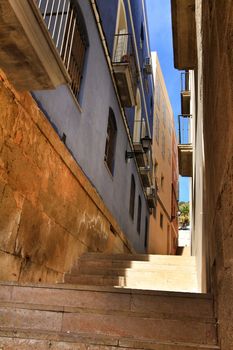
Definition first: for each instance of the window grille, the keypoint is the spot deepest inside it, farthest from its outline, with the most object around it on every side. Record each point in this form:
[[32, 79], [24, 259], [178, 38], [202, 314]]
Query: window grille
[[139, 215], [110, 143], [132, 197], [67, 29]]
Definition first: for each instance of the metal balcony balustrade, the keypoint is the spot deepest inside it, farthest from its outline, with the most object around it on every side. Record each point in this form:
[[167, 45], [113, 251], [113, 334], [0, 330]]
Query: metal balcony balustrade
[[185, 148], [185, 93], [184, 123], [185, 85], [66, 29], [125, 69]]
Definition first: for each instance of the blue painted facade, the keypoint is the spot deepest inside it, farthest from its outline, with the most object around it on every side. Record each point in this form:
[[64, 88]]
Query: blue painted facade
[[84, 121]]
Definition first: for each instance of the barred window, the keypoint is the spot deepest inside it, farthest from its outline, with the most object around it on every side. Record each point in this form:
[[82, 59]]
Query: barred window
[[139, 215], [132, 197], [110, 143], [67, 28], [146, 233]]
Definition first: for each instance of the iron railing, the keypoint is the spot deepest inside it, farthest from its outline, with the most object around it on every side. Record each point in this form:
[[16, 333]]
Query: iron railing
[[184, 123], [62, 21], [124, 54], [185, 84]]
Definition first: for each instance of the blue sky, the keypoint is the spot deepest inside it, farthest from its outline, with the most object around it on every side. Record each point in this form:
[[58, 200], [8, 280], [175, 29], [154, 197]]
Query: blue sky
[[160, 31]]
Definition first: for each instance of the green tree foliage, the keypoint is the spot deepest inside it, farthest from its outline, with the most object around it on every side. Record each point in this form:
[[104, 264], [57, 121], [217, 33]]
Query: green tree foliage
[[184, 218]]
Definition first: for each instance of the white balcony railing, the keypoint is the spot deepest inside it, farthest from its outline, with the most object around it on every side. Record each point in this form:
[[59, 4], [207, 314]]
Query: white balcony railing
[[63, 23]]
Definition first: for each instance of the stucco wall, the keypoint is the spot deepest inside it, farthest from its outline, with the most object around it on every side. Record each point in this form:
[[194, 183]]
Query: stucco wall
[[49, 211], [86, 129], [218, 138], [160, 237]]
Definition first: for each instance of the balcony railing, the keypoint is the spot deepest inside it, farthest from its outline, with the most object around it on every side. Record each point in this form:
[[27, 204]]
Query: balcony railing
[[185, 93], [185, 148], [65, 28], [28, 56], [184, 123], [139, 132], [125, 69], [185, 86]]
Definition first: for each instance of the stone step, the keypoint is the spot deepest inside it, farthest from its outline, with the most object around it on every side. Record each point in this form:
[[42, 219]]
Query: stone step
[[113, 324], [20, 340], [154, 281], [167, 271], [137, 265], [146, 303], [152, 258], [116, 313]]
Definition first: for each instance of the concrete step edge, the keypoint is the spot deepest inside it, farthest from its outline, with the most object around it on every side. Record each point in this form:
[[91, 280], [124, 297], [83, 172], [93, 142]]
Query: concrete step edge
[[100, 339], [111, 312], [66, 286], [156, 262], [134, 257], [128, 270]]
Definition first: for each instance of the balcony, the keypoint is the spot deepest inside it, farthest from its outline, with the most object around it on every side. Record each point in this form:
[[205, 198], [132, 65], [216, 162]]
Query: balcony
[[184, 34], [28, 55], [185, 93], [151, 197], [125, 71], [139, 133], [185, 148]]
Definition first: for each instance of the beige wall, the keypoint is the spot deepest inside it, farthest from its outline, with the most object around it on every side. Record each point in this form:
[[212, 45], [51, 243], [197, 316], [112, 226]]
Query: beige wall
[[49, 211], [160, 238], [213, 187]]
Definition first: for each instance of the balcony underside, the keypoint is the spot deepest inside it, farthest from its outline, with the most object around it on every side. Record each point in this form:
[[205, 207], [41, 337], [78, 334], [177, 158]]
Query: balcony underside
[[140, 155], [151, 202], [184, 34], [146, 176], [185, 155], [125, 84], [27, 53], [185, 102]]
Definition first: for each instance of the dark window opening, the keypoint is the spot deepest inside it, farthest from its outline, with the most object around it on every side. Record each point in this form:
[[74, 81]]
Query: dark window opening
[[146, 233], [139, 215], [110, 143], [161, 220], [132, 197]]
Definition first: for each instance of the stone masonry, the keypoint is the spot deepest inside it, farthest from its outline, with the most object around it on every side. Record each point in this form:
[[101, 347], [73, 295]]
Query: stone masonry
[[50, 213]]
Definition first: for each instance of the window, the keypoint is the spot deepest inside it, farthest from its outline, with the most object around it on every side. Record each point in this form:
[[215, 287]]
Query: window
[[121, 37], [162, 181], [110, 143], [139, 215], [137, 119], [146, 233], [141, 36], [67, 28], [132, 197], [154, 212], [161, 221]]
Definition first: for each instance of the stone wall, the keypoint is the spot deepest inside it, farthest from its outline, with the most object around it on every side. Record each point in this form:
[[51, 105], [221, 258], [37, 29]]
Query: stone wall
[[218, 138], [49, 212]]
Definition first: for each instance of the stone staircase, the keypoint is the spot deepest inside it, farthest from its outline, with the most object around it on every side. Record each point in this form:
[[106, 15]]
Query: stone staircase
[[138, 271], [94, 317]]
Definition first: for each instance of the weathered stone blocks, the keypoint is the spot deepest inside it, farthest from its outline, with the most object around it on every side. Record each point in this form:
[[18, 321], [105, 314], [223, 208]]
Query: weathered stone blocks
[[49, 211]]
